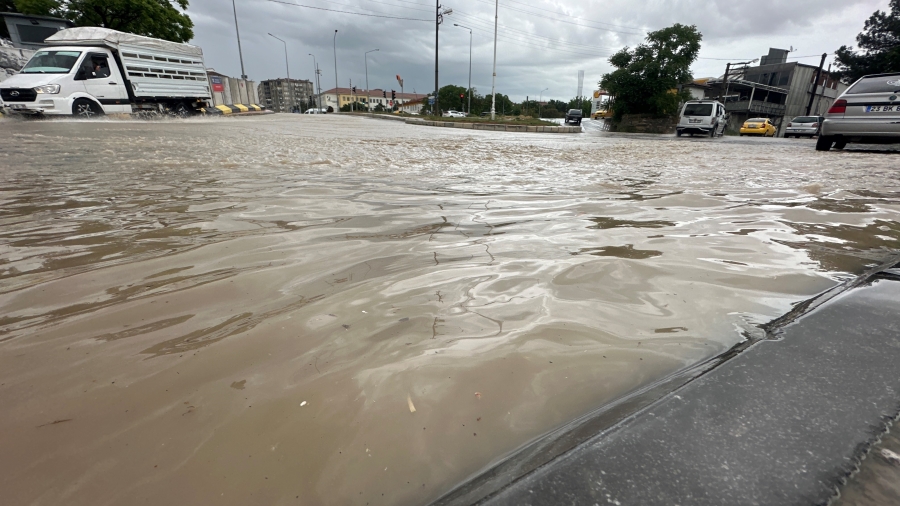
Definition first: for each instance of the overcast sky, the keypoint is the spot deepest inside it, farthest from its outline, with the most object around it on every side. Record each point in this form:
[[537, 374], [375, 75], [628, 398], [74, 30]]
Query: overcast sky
[[542, 43]]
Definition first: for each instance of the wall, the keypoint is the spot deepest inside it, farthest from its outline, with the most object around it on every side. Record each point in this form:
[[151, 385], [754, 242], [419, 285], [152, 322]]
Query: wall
[[645, 123], [237, 91], [12, 59]]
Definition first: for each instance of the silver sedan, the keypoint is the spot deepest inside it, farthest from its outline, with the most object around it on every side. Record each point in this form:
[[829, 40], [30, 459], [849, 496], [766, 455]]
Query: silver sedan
[[869, 112]]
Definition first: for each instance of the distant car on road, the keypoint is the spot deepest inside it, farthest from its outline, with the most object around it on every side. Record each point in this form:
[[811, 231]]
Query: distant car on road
[[705, 117], [454, 114], [758, 126], [314, 111], [573, 117], [804, 126], [868, 112]]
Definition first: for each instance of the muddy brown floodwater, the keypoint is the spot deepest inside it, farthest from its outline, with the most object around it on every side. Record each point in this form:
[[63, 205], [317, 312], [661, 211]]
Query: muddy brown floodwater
[[332, 310]]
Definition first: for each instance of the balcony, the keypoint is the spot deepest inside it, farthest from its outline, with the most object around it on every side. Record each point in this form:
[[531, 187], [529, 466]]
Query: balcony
[[755, 107]]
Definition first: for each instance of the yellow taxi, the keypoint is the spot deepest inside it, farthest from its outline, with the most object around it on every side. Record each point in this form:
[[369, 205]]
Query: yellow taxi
[[758, 126], [602, 114]]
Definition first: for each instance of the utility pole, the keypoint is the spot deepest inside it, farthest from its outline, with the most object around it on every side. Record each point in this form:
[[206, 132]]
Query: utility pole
[[727, 71], [824, 85], [494, 76], [238, 31], [316, 85], [816, 84], [437, 27], [337, 92]]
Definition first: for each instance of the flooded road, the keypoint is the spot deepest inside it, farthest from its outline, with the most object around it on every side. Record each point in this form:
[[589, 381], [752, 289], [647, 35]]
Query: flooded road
[[336, 310]]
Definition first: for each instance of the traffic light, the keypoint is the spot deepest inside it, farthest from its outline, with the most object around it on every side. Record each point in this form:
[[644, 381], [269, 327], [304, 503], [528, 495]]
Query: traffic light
[[383, 94], [462, 95], [393, 95], [354, 90]]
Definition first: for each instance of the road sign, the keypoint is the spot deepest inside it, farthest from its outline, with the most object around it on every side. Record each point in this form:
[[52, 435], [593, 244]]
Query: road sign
[[430, 100]]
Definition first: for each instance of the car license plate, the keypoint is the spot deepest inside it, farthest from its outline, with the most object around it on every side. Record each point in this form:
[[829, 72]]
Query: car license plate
[[883, 108], [691, 120]]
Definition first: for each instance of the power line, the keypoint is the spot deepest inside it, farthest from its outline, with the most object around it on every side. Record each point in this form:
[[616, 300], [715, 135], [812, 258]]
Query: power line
[[348, 12], [486, 24], [570, 16], [400, 6], [560, 20]]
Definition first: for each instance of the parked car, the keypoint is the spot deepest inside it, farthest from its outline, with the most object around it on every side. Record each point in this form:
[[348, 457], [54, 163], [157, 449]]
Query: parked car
[[868, 112], [705, 117], [758, 126], [804, 126], [454, 114], [314, 111]]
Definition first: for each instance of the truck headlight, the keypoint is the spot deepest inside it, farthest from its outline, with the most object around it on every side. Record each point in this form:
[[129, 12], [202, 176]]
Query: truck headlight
[[48, 88]]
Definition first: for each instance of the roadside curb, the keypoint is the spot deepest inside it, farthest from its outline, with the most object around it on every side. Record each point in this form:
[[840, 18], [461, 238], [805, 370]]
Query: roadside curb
[[235, 109], [495, 127], [801, 365]]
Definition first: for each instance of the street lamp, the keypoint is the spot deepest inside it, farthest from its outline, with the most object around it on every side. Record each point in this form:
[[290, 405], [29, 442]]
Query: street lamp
[[238, 31], [288, 67], [470, 64], [337, 93], [368, 95], [316, 84], [540, 105]]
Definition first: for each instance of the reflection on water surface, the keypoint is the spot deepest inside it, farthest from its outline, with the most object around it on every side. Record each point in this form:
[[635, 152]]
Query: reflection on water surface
[[252, 322]]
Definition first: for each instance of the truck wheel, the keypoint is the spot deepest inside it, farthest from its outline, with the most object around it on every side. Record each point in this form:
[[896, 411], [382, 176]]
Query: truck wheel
[[84, 108], [824, 143], [678, 133], [181, 110], [712, 133]]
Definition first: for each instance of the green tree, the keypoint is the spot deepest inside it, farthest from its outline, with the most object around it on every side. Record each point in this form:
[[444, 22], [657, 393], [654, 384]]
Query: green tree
[[880, 43], [161, 19], [646, 78], [448, 98]]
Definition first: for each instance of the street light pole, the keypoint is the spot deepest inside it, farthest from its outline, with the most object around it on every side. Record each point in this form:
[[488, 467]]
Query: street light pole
[[337, 93], [540, 105], [238, 31], [470, 65], [288, 67], [368, 95], [494, 76]]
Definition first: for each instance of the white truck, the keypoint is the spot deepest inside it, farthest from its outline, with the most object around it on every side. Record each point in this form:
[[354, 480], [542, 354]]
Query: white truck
[[89, 71]]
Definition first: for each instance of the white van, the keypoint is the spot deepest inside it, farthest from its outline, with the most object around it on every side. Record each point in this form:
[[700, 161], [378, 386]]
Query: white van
[[89, 71], [705, 117]]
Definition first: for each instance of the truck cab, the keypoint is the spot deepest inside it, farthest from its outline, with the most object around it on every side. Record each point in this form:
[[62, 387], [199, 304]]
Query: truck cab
[[83, 81]]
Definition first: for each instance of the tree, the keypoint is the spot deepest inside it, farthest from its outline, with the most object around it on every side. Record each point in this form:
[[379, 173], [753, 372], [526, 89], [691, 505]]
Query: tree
[[646, 78], [160, 19], [880, 41]]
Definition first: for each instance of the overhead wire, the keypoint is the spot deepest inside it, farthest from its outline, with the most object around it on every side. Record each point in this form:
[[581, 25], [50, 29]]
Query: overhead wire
[[530, 35], [347, 12], [574, 17], [560, 20]]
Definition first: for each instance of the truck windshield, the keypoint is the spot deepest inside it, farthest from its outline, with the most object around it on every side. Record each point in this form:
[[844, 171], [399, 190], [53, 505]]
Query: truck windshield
[[698, 110], [51, 62]]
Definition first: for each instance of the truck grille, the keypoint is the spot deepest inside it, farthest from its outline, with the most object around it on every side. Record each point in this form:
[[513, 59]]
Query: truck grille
[[18, 94]]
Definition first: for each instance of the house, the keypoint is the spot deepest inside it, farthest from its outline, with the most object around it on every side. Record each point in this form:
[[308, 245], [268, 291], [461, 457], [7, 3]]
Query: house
[[339, 97], [775, 89]]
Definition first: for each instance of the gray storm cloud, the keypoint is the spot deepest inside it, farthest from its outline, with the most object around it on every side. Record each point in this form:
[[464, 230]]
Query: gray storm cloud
[[541, 44]]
